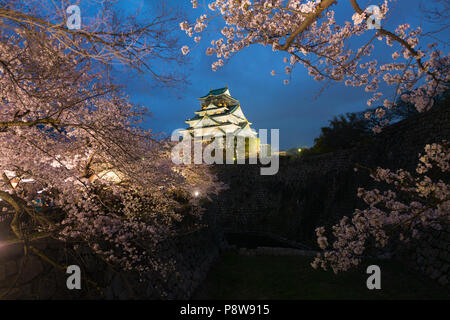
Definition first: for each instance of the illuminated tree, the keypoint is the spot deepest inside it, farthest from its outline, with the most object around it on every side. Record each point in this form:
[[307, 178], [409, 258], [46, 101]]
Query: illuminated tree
[[75, 164]]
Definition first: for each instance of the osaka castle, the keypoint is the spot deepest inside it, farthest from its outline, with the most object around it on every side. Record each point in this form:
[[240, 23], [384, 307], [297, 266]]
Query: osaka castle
[[221, 115]]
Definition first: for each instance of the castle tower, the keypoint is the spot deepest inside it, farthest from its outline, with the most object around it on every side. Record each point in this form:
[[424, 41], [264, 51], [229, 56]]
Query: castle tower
[[220, 115]]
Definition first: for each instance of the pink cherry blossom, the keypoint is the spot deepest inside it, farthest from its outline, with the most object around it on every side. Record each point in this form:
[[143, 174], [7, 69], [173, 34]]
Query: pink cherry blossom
[[414, 203]]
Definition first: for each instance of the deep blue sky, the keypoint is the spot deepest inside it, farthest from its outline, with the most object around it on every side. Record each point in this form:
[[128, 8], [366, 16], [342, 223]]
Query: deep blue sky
[[296, 109]]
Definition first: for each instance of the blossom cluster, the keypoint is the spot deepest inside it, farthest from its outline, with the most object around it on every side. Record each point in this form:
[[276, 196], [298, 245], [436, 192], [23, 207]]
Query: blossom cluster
[[324, 47], [416, 201], [71, 141]]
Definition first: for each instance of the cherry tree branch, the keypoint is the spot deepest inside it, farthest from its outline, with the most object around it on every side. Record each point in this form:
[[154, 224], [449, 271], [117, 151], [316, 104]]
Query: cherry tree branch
[[310, 18]]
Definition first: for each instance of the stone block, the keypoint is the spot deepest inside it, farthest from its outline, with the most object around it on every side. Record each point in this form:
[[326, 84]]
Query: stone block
[[435, 274], [443, 280], [443, 255]]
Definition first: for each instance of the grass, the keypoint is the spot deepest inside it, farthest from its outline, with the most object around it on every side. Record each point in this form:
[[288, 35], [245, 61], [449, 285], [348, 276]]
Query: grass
[[291, 277]]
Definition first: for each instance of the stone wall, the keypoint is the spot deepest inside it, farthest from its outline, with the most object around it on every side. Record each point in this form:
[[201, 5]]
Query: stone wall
[[31, 277], [431, 254], [316, 191]]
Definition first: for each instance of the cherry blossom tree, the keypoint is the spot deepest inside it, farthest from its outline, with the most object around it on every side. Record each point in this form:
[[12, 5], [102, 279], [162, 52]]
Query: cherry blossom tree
[[75, 163], [309, 34], [415, 202], [141, 39]]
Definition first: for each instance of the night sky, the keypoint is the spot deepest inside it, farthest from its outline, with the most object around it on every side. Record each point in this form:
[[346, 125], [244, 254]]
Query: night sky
[[297, 109]]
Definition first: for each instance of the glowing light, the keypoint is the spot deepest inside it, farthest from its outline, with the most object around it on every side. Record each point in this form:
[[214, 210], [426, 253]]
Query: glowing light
[[196, 194], [14, 183], [107, 176]]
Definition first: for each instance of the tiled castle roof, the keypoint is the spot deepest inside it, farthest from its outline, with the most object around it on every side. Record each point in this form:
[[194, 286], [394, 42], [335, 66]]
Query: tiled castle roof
[[215, 92]]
